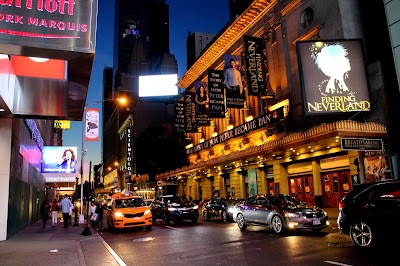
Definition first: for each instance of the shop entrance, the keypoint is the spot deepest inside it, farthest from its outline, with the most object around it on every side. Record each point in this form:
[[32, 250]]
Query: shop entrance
[[335, 185], [301, 187]]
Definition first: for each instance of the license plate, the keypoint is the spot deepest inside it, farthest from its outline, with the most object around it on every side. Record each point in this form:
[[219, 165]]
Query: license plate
[[316, 222]]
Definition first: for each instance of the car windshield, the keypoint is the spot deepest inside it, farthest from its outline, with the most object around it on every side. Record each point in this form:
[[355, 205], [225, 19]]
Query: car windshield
[[285, 200], [135, 202]]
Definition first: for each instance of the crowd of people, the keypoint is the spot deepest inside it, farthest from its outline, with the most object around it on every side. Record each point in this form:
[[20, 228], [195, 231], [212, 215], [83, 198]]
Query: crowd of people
[[50, 210]]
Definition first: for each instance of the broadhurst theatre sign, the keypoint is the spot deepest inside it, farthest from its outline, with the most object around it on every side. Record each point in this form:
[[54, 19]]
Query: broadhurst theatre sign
[[254, 124]]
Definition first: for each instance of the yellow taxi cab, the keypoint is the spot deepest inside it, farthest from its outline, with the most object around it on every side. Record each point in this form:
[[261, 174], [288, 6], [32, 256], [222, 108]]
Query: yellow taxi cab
[[127, 210]]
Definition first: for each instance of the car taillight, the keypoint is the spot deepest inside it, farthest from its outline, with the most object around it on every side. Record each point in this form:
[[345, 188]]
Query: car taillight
[[341, 205]]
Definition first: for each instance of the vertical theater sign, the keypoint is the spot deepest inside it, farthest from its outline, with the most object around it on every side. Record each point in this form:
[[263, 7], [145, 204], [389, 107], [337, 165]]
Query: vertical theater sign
[[333, 77]]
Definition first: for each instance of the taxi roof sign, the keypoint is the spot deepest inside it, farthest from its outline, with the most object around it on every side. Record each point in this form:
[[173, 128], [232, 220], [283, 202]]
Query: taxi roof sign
[[63, 124]]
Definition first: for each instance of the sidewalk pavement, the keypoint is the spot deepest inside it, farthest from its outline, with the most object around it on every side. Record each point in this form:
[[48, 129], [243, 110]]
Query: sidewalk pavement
[[57, 245], [35, 245]]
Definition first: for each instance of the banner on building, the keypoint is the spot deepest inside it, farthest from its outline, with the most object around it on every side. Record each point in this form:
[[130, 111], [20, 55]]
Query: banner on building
[[179, 109], [333, 77], [243, 129], [190, 113], [216, 93], [235, 89], [254, 61], [202, 103], [92, 124]]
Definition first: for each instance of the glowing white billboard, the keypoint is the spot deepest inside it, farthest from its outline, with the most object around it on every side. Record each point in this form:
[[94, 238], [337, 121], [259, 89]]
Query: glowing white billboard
[[158, 85]]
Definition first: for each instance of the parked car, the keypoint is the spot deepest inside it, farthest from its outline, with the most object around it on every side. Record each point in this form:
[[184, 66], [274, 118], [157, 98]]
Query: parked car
[[219, 208], [279, 212], [369, 213], [174, 208], [127, 210]]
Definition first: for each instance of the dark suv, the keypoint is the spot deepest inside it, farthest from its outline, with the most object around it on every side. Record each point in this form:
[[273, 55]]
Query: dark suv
[[174, 208], [369, 213]]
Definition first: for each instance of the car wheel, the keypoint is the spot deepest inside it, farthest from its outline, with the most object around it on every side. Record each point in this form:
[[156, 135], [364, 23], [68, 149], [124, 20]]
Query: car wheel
[[148, 227], [277, 224], [194, 220], [206, 216], [361, 234], [241, 222], [166, 220], [224, 216]]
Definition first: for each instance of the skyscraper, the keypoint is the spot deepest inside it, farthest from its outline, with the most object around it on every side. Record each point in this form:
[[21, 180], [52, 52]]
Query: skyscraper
[[141, 47]]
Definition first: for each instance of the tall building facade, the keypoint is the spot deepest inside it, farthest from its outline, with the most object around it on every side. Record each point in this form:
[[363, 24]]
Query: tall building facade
[[141, 47], [195, 44]]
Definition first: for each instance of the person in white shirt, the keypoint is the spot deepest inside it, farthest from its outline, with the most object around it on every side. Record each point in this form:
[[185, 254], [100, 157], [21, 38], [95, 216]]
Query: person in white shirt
[[233, 80], [65, 205]]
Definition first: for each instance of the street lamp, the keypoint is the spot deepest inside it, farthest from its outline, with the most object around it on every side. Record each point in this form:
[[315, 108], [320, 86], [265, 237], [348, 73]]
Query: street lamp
[[121, 101]]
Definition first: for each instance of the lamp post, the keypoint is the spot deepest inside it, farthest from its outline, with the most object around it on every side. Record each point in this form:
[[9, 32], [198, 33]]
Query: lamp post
[[120, 100]]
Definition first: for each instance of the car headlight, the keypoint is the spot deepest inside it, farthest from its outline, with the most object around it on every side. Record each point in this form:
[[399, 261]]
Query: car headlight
[[291, 214], [172, 209], [230, 209], [118, 215], [195, 207], [147, 212]]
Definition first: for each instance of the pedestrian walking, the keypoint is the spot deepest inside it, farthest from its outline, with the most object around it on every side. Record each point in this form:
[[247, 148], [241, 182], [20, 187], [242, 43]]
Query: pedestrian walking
[[54, 212], [44, 212], [70, 214], [99, 211], [93, 216], [65, 205]]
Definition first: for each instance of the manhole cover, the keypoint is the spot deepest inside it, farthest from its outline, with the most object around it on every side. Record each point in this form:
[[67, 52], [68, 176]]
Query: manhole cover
[[341, 244]]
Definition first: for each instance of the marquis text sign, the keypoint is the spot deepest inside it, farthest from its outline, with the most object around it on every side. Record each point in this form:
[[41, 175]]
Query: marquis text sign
[[56, 24]]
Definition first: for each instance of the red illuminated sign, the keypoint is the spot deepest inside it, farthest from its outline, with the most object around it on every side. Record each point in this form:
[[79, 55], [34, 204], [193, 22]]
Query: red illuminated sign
[[52, 23], [38, 67]]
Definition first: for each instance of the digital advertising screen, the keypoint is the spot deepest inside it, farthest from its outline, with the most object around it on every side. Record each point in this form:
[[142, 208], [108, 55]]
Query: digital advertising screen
[[59, 159]]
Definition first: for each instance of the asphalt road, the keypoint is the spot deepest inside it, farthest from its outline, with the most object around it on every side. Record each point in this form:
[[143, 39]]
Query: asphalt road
[[217, 243]]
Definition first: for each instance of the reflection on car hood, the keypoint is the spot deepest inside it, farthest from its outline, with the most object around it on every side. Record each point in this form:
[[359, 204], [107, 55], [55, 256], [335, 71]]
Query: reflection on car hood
[[303, 208], [181, 205], [133, 209]]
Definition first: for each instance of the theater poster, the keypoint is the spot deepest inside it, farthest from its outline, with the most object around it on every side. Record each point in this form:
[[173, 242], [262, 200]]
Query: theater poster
[[234, 84], [254, 59], [333, 77], [190, 113], [216, 93], [201, 99]]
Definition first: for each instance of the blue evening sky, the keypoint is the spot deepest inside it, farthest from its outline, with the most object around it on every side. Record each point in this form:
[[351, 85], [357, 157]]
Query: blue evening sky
[[208, 16]]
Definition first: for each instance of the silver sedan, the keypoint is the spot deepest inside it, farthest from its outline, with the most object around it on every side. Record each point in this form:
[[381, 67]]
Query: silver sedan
[[279, 212]]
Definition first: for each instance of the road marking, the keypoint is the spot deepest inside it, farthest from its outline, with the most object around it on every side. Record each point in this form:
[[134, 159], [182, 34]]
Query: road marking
[[337, 263], [143, 239], [170, 227], [112, 252]]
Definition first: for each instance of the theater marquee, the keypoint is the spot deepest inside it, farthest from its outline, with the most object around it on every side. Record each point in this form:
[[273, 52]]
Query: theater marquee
[[68, 25], [333, 77]]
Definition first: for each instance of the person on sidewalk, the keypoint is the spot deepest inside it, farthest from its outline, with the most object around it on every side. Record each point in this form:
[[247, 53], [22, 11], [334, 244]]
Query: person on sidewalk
[[93, 208], [65, 205], [54, 212], [70, 214], [99, 211], [44, 212]]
